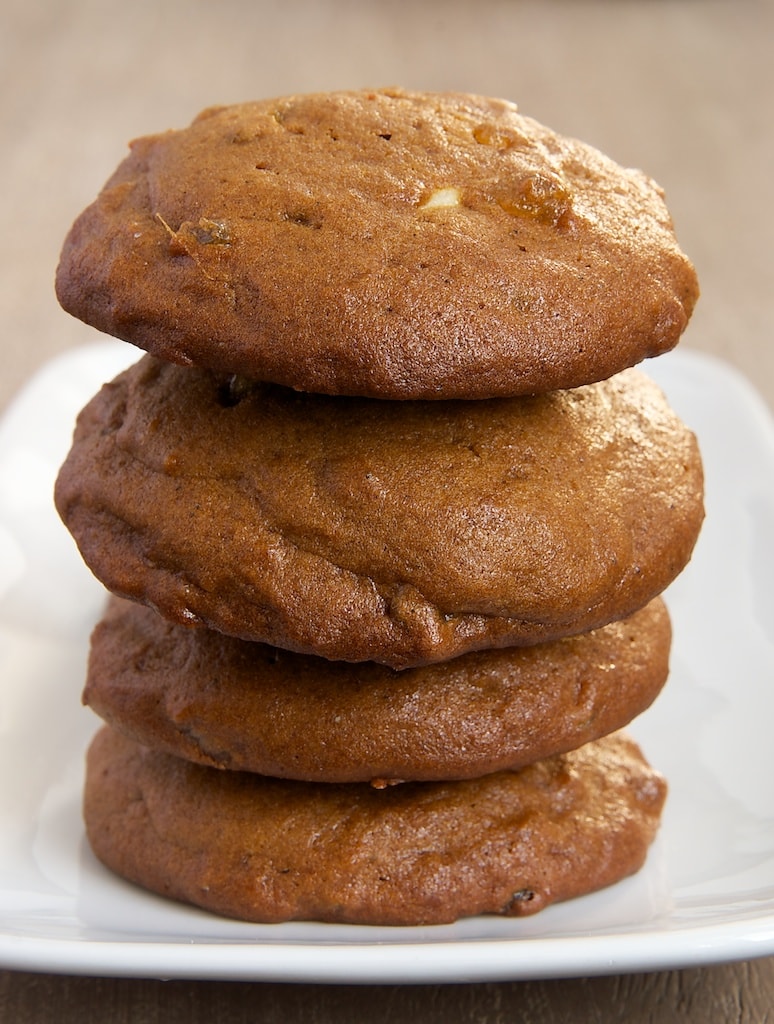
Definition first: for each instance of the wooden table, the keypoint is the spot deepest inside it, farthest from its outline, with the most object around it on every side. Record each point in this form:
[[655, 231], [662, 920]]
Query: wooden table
[[682, 89]]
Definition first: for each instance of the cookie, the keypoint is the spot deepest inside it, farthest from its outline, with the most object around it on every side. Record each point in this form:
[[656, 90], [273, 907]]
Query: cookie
[[271, 850], [245, 706], [381, 243], [364, 530]]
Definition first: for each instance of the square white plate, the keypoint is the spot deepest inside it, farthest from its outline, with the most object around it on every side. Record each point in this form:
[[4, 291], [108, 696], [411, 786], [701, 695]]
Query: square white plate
[[705, 895]]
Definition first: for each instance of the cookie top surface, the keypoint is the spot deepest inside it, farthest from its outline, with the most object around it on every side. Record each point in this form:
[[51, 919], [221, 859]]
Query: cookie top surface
[[386, 244], [362, 530], [239, 844], [245, 706]]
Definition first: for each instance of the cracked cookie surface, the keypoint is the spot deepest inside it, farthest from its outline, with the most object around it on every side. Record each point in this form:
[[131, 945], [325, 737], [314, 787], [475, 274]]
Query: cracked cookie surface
[[387, 244]]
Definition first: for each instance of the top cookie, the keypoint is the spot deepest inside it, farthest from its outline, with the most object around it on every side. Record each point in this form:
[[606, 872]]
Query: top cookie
[[385, 244]]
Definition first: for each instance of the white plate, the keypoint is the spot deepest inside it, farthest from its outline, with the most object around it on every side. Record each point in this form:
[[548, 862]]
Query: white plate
[[705, 895]]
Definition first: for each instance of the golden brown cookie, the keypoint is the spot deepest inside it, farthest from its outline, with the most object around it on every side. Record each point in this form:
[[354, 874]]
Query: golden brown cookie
[[272, 850], [364, 530], [231, 704], [388, 244]]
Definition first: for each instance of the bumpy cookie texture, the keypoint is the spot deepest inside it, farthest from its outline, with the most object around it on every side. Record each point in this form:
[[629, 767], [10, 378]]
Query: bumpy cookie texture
[[387, 244], [236, 705], [273, 850], [363, 530]]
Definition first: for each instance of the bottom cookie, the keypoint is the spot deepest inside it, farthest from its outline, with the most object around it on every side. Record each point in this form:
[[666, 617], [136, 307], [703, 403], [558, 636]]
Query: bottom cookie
[[271, 850]]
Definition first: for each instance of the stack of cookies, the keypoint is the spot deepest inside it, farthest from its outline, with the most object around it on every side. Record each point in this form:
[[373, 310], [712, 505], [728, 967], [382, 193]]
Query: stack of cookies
[[385, 511]]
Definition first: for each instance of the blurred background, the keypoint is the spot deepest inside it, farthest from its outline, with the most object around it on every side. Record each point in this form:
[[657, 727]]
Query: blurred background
[[680, 88]]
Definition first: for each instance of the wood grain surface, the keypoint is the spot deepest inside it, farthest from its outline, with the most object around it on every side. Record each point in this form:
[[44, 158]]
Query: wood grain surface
[[681, 88], [710, 995]]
